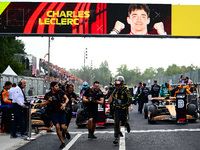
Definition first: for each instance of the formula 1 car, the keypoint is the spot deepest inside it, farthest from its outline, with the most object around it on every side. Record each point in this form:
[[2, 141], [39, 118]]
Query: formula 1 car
[[165, 109], [36, 119], [104, 116]]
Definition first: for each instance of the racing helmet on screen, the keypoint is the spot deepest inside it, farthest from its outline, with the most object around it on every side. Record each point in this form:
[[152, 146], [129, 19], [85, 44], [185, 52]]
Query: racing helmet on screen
[[85, 85], [119, 81]]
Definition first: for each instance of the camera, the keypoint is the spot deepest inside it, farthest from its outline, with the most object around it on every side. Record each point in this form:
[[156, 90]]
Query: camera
[[54, 98], [91, 98]]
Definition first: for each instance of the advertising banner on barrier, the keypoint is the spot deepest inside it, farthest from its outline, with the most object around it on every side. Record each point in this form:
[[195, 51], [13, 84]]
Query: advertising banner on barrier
[[97, 18]]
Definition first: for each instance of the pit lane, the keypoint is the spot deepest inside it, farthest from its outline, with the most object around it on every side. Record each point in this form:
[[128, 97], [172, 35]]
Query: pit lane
[[162, 135]]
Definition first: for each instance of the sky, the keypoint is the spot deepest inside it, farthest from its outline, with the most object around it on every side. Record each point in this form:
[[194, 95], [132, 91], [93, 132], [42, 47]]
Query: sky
[[68, 52]]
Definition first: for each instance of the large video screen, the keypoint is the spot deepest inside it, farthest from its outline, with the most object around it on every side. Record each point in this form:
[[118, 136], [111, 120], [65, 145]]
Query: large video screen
[[86, 18]]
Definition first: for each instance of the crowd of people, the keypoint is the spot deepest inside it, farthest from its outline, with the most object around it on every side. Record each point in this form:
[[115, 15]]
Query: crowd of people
[[57, 73], [56, 107], [141, 93], [14, 96]]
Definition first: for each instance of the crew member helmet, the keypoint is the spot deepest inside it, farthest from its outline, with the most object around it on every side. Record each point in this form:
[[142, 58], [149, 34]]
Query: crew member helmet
[[85, 85], [119, 81]]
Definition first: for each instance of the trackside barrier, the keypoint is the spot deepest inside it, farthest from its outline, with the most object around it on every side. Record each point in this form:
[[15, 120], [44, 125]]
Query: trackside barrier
[[29, 138], [28, 124]]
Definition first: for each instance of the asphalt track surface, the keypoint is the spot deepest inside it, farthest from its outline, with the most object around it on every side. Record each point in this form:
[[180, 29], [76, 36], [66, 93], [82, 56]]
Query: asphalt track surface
[[163, 135]]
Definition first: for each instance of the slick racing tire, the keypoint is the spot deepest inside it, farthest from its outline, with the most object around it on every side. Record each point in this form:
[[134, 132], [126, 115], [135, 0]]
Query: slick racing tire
[[81, 114], [81, 117], [152, 109], [191, 109], [77, 106], [146, 110]]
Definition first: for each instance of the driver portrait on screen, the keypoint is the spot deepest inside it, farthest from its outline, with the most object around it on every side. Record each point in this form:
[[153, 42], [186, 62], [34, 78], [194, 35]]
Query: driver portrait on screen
[[138, 19]]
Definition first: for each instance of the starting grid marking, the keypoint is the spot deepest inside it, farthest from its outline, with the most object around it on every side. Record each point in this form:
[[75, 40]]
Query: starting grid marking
[[122, 142]]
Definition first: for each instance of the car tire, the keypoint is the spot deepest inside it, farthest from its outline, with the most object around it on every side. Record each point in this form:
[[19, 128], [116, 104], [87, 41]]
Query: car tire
[[152, 109], [192, 120], [151, 121], [76, 107], [146, 110], [191, 109], [80, 115]]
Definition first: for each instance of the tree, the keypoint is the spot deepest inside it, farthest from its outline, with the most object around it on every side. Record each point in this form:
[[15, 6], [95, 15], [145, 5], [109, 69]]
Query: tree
[[159, 72], [136, 76], [9, 47], [132, 77], [103, 73], [191, 68], [173, 69], [149, 73], [123, 71]]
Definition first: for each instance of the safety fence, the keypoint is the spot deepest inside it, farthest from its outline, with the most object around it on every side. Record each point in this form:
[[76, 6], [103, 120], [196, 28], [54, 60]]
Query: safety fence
[[193, 75], [39, 85]]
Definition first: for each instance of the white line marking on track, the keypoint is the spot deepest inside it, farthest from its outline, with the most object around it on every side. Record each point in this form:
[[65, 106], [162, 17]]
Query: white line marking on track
[[139, 131], [122, 143], [72, 141], [165, 130]]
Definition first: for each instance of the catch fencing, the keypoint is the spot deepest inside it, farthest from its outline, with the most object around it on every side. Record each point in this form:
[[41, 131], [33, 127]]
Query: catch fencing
[[39, 84], [193, 75]]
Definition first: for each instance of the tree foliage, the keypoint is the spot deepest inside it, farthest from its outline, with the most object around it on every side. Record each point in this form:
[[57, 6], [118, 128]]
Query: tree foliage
[[9, 47], [132, 76], [102, 74]]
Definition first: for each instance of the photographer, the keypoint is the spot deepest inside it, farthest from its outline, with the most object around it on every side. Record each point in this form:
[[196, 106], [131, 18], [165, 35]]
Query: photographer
[[57, 101], [92, 97], [72, 98]]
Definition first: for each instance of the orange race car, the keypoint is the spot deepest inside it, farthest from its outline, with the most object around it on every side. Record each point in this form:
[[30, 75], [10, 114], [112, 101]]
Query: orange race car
[[165, 109]]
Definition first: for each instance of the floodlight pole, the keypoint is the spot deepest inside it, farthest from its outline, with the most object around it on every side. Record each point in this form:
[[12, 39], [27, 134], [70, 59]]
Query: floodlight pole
[[85, 57], [49, 60]]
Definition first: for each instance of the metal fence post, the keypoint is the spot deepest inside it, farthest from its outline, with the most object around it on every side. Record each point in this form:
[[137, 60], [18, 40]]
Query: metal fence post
[[29, 138]]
